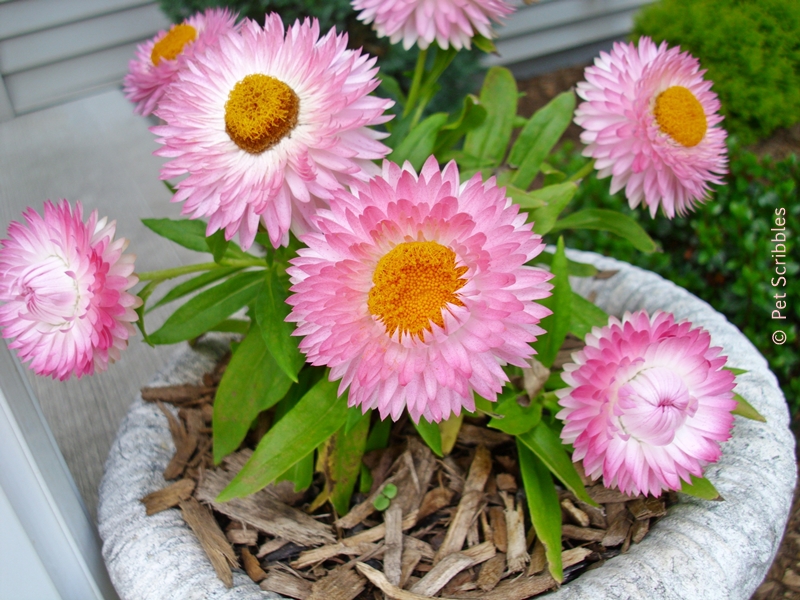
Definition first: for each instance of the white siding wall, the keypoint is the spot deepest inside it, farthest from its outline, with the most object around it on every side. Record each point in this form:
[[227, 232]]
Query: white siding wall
[[55, 50]]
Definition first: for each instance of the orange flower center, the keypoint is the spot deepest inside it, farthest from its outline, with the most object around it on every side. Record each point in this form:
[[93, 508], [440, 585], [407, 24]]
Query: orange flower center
[[413, 283], [172, 44], [260, 112], [680, 115]]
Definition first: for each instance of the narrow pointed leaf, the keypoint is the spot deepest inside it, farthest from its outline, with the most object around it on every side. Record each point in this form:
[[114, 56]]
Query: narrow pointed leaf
[[430, 433], [574, 268], [560, 302], [217, 244], [344, 464], [555, 197], [543, 507], [291, 439], [208, 308], [516, 419], [746, 410], [419, 143], [190, 234], [194, 284], [608, 220], [584, 316], [354, 417], [498, 96], [252, 382], [271, 312], [301, 474], [471, 116], [701, 488], [449, 429], [735, 371], [537, 138], [546, 444]]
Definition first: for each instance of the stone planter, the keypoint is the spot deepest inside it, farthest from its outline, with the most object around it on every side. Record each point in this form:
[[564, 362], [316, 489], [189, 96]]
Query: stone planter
[[700, 550]]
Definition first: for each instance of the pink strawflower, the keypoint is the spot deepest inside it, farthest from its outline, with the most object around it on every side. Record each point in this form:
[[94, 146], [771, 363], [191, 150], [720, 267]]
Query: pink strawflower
[[651, 122], [158, 60], [415, 292], [649, 403], [268, 124], [64, 283], [449, 22]]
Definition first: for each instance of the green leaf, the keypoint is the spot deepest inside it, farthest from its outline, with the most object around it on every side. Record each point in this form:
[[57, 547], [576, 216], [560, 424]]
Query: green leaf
[[190, 234], [575, 269], [381, 502], [172, 189], [546, 444], [217, 244], [746, 410], [317, 415], [301, 473], [379, 435], [584, 316], [736, 371], [390, 87], [611, 221], [241, 326], [354, 417], [389, 490], [430, 433], [560, 302], [208, 308], [193, 284], [484, 44], [526, 200], [498, 96], [538, 137], [556, 197], [344, 464], [449, 429], [543, 507], [252, 382], [419, 143], [516, 419], [701, 488], [471, 116], [271, 312]]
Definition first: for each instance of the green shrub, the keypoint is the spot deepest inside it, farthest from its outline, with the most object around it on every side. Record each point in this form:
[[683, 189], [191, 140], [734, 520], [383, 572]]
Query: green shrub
[[461, 77], [722, 251], [750, 49]]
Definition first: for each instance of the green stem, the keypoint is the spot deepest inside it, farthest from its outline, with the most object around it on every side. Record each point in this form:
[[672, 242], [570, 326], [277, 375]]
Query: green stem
[[178, 271], [416, 82]]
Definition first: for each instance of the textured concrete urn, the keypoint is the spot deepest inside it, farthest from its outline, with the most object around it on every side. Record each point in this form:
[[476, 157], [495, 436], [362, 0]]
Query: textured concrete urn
[[700, 550]]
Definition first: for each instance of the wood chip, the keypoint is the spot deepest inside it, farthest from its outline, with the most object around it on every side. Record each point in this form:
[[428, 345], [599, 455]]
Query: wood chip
[[263, 512], [517, 555], [491, 572], [584, 534], [449, 566], [534, 378], [469, 505], [178, 394], [471, 435], [211, 538], [647, 508], [364, 509], [252, 566], [506, 482], [410, 559], [378, 579], [434, 500], [167, 497], [573, 556], [607, 274], [271, 546], [286, 584], [497, 520], [393, 553], [343, 583], [603, 495], [639, 530], [520, 588], [578, 516], [617, 531], [538, 558], [597, 514], [245, 537], [185, 445]]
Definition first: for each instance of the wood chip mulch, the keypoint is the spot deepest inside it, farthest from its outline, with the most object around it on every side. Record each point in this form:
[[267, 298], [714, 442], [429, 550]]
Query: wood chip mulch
[[457, 528]]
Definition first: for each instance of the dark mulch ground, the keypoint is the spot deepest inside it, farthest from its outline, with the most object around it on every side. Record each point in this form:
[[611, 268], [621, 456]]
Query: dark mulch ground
[[783, 579]]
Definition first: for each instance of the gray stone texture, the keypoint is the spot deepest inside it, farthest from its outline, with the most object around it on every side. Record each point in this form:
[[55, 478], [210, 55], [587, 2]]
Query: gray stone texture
[[700, 551]]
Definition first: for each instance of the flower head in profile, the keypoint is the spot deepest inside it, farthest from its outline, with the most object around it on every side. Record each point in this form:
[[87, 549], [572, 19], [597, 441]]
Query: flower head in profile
[[64, 286], [414, 291], [648, 403], [158, 60], [651, 121], [448, 22], [268, 124]]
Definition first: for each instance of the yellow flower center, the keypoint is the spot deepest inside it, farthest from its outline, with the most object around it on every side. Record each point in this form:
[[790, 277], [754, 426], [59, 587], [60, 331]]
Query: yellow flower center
[[260, 112], [680, 115], [413, 283], [172, 44]]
